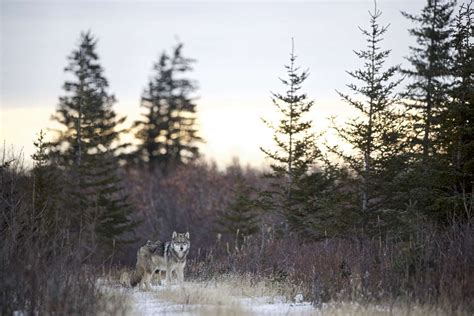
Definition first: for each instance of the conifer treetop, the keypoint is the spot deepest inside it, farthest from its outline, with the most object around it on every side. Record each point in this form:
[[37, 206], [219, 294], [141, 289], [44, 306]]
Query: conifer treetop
[[296, 149]]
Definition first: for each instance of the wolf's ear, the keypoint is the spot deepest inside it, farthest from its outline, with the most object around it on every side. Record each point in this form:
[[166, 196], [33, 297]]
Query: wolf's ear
[[174, 235], [187, 235]]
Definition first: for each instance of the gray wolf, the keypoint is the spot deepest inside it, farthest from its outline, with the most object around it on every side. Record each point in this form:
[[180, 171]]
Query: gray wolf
[[156, 256]]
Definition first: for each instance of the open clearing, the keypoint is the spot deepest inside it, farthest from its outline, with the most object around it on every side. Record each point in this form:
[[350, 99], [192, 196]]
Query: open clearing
[[208, 298], [229, 297]]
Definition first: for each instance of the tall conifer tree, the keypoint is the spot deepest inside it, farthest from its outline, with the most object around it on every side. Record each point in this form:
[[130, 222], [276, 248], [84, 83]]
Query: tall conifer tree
[[427, 100], [456, 126], [167, 133], [87, 146], [296, 151], [430, 59], [377, 133]]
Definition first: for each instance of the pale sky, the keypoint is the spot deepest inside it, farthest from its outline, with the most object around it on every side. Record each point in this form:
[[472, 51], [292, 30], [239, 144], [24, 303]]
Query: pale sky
[[240, 48]]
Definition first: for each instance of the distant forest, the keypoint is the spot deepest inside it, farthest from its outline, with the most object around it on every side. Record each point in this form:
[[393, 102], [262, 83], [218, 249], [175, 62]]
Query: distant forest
[[406, 184]]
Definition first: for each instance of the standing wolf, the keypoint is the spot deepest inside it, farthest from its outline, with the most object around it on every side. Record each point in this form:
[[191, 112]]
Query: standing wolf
[[162, 256], [145, 266]]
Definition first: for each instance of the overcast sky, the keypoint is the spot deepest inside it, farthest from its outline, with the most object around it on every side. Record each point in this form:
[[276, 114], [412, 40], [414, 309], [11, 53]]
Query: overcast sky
[[240, 47]]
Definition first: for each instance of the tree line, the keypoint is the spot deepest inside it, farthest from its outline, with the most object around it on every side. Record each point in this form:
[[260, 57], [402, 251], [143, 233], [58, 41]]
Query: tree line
[[411, 160], [412, 151]]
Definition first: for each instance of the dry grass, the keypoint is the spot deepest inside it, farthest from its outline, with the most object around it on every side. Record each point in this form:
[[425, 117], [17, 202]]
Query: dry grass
[[350, 308], [204, 298], [249, 295], [114, 303], [219, 298], [223, 295], [222, 289]]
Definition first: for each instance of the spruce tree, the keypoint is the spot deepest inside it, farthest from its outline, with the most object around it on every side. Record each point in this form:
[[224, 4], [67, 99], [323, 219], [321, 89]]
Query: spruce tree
[[296, 151], [240, 218], [90, 124], [167, 133], [456, 126], [377, 134], [88, 144], [326, 203], [427, 93], [47, 189], [427, 100]]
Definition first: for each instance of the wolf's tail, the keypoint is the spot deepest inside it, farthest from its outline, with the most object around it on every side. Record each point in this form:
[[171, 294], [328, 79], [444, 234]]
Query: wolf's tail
[[136, 276]]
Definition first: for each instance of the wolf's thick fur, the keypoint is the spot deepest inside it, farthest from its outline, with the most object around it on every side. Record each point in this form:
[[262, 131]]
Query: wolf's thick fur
[[145, 267], [161, 256]]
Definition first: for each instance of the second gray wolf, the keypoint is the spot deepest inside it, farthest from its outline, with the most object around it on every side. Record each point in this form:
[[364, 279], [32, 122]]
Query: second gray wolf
[[156, 256]]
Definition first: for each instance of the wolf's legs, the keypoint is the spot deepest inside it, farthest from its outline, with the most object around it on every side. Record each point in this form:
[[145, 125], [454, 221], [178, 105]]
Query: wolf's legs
[[180, 274], [147, 280], [142, 282], [168, 276], [157, 277]]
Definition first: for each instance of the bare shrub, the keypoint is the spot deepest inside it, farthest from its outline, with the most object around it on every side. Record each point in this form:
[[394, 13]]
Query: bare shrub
[[434, 268], [43, 267]]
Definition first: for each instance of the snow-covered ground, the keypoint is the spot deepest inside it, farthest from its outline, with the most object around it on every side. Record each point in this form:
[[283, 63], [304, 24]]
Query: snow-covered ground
[[235, 296], [149, 303], [204, 299]]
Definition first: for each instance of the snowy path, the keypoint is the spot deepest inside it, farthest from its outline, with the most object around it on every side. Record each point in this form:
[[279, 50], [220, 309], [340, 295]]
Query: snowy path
[[156, 302], [211, 298]]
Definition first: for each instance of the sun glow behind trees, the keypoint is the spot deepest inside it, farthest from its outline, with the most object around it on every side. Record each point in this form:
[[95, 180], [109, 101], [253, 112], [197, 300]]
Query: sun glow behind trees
[[224, 139], [129, 42]]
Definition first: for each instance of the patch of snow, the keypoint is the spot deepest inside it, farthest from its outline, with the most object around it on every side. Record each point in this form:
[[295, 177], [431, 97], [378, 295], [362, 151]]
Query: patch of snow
[[275, 305], [282, 309], [149, 303]]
